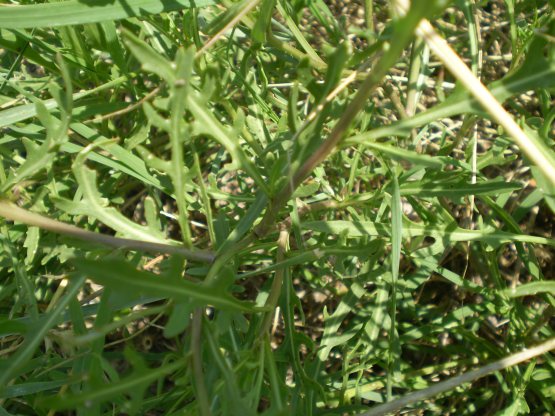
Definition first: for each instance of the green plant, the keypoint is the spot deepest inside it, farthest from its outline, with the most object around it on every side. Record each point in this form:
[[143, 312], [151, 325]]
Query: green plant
[[257, 207]]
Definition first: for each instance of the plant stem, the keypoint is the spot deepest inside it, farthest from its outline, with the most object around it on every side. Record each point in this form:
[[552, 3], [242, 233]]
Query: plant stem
[[392, 52], [467, 377], [369, 14], [277, 283], [196, 348], [14, 213]]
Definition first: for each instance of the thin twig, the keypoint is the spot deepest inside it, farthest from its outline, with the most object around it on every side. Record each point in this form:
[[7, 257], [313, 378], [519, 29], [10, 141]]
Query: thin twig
[[453, 382], [132, 107], [12, 212]]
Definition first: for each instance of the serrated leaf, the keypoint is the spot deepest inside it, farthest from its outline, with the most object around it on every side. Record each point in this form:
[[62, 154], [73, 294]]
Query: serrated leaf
[[122, 276], [40, 158], [179, 319], [111, 390], [36, 335], [155, 118], [150, 60], [206, 123], [330, 338]]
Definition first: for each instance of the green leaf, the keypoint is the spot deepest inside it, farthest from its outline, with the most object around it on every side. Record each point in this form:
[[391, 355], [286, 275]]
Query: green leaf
[[304, 257], [41, 157], [179, 319], [31, 243], [124, 277], [26, 111], [94, 205], [396, 229], [398, 153], [119, 153], [24, 389], [529, 289], [127, 162], [331, 336], [36, 335], [457, 189], [78, 12], [304, 191], [452, 233], [245, 223], [150, 60], [11, 327], [207, 123], [136, 381], [263, 22]]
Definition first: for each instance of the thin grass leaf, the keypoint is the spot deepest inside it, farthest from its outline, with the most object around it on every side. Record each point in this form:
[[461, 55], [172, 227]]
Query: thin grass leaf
[[457, 189], [134, 167], [308, 256], [78, 12], [398, 153], [530, 289], [24, 389], [262, 24], [451, 233], [396, 229], [41, 157]]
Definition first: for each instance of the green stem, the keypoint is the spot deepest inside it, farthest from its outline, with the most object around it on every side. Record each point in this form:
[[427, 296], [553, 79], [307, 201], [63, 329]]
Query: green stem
[[392, 52], [196, 344], [277, 283], [369, 14]]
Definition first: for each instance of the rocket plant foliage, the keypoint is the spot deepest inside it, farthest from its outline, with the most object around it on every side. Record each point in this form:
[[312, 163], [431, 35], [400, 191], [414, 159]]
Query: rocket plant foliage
[[261, 207]]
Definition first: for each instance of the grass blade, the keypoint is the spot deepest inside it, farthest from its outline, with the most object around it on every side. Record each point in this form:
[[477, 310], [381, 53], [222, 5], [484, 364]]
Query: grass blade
[[530, 289], [75, 12], [451, 233]]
